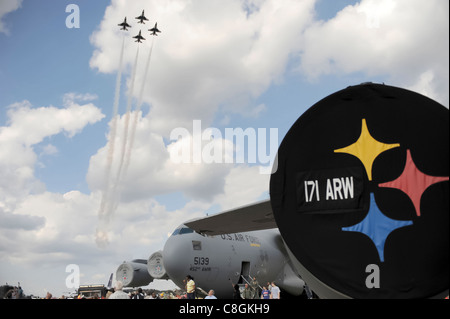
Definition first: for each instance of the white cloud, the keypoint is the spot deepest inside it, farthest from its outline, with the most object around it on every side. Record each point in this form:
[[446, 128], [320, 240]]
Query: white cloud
[[32, 220], [17, 221], [153, 170], [243, 185], [49, 231], [49, 149], [405, 41], [37, 226], [210, 54], [7, 6], [28, 126]]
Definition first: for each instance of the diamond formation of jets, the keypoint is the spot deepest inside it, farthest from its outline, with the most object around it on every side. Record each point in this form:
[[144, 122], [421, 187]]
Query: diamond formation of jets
[[139, 38]]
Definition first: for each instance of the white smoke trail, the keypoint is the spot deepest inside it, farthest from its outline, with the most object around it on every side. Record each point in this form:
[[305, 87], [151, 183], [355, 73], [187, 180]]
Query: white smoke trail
[[127, 122], [100, 236], [111, 198], [138, 110]]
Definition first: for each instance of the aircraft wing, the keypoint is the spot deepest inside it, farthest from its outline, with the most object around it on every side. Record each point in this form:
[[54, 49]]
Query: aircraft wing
[[257, 216]]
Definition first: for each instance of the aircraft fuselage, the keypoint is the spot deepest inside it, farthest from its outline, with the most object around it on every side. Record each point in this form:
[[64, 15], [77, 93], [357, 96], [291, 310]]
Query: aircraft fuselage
[[216, 262]]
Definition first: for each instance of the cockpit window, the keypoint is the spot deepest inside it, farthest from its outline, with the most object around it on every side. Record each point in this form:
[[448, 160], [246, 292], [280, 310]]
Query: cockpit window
[[186, 231], [182, 231]]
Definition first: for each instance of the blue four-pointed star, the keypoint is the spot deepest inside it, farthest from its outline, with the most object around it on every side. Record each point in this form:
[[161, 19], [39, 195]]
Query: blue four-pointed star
[[377, 226]]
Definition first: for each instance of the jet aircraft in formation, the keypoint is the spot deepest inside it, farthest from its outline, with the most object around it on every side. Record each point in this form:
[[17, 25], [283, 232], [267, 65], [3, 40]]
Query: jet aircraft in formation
[[154, 29], [141, 18], [124, 26], [139, 37]]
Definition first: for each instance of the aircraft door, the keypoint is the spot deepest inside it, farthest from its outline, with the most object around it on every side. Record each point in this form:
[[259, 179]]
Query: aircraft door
[[245, 273]]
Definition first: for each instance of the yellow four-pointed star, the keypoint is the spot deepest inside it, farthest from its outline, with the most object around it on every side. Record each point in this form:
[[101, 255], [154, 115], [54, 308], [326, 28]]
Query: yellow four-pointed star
[[366, 148]]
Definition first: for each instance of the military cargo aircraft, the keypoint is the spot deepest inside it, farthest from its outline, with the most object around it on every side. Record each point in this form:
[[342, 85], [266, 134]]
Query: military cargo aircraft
[[219, 259], [358, 207]]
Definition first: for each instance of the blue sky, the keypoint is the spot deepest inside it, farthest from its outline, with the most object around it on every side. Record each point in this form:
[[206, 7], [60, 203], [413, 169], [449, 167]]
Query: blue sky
[[210, 63], [41, 61]]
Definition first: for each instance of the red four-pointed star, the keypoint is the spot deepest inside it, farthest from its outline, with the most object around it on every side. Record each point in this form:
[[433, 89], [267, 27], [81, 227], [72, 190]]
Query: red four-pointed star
[[413, 182]]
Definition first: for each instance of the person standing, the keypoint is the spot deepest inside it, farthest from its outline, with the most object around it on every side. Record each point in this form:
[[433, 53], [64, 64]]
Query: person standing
[[256, 288], [236, 291], [275, 291], [211, 295], [139, 294], [190, 287], [265, 294], [248, 292], [118, 292]]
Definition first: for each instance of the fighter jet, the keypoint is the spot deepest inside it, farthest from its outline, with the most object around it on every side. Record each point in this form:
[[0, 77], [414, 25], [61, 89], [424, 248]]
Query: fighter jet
[[154, 29], [142, 18], [139, 37], [124, 25]]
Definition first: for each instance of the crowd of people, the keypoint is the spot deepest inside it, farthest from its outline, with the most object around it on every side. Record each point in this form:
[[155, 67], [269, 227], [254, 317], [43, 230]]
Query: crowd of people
[[251, 290], [255, 291], [117, 292], [12, 292]]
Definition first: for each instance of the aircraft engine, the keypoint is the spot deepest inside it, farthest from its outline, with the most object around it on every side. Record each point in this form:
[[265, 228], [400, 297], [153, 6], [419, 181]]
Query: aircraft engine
[[290, 281], [361, 194], [134, 273], [155, 266]]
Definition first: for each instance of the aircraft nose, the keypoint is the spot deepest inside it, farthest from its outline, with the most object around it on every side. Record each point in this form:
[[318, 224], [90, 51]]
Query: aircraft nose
[[175, 257]]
